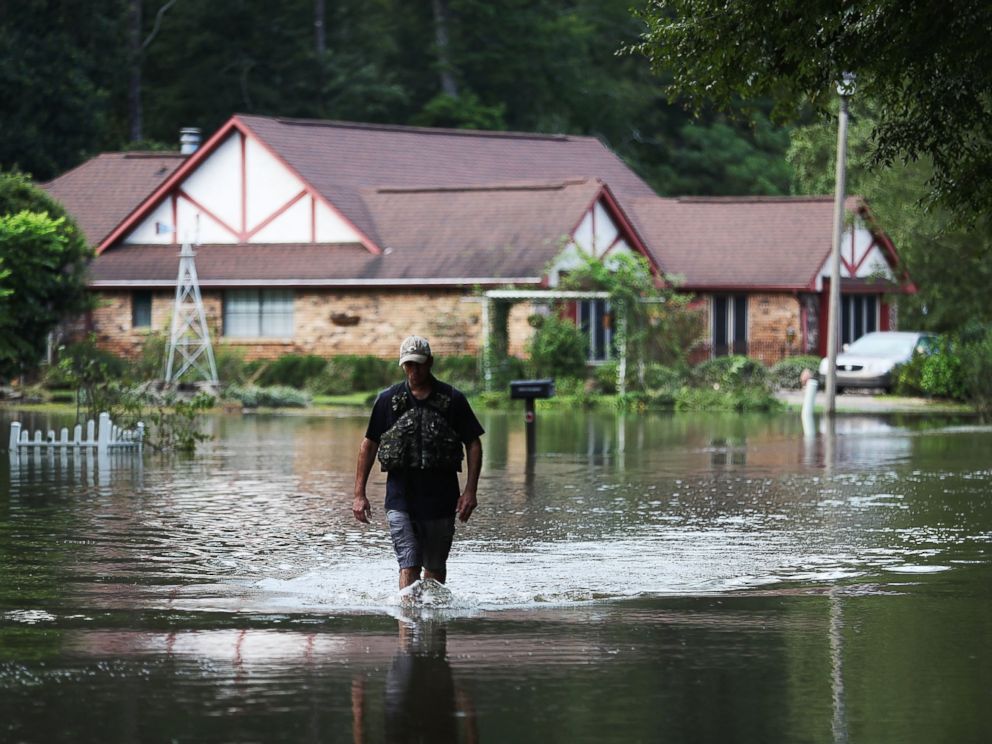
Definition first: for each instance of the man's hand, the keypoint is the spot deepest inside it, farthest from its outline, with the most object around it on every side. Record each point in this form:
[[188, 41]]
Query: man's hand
[[361, 508], [466, 505]]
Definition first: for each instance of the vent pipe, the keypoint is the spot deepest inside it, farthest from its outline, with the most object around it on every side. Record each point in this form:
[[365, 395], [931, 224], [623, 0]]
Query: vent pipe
[[189, 140]]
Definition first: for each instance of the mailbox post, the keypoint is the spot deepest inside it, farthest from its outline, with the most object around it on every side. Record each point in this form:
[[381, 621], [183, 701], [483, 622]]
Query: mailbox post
[[528, 391]]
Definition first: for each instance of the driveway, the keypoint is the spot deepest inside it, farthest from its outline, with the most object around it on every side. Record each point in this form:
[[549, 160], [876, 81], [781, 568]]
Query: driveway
[[867, 402]]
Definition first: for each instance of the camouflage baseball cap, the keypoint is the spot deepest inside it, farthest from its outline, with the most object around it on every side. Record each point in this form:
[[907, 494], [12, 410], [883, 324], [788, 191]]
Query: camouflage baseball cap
[[414, 349]]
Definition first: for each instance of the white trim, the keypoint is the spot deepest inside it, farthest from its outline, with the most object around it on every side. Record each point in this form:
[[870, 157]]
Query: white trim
[[128, 283], [550, 294]]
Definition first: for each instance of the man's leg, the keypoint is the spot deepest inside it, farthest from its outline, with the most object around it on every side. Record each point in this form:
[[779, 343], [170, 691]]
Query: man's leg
[[435, 541], [406, 545], [409, 576]]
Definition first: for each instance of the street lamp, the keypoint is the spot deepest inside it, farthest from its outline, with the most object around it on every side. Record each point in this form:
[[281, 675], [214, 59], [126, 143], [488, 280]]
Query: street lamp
[[845, 89]]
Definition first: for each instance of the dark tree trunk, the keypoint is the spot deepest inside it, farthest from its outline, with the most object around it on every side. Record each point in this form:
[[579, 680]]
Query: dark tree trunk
[[134, 72], [448, 84], [319, 30]]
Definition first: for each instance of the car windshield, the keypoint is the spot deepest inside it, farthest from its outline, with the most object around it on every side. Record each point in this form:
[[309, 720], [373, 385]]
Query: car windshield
[[883, 345]]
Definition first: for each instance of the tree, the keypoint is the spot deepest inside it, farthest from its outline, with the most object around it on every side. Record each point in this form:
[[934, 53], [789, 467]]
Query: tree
[[59, 65], [928, 67], [947, 261], [43, 258]]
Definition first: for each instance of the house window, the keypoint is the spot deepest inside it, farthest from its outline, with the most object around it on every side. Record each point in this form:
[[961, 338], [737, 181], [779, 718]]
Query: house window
[[597, 325], [858, 316], [141, 309], [729, 324], [258, 313]]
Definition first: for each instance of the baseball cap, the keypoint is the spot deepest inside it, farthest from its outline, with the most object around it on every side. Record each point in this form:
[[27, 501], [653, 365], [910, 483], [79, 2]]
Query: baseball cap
[[414, 349]]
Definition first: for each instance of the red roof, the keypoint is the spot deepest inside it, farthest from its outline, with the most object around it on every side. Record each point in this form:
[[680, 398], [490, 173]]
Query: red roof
[[494, 234], [105, 189], [754, 242]]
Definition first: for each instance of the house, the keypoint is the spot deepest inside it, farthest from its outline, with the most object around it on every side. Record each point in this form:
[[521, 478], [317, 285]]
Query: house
[[330, 237]]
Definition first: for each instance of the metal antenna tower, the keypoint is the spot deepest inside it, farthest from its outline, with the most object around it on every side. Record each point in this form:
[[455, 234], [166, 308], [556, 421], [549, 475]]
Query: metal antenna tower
[[190, 335]]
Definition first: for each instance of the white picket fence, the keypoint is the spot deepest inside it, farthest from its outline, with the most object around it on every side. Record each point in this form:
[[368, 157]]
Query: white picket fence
[[104, 437]]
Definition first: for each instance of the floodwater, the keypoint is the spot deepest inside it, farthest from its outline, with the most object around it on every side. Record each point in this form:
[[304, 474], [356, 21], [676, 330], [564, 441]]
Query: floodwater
[[697, 578]]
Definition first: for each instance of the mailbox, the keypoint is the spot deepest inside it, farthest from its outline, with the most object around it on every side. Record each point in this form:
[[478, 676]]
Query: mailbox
[[530, 389]]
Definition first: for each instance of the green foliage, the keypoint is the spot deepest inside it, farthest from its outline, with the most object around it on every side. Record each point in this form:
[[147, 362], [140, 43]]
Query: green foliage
[[351, 373], [605, 377], [730, 373], [294, 370], [60, 63], [276, 396], [929, 71], [742, 400], [464, 112], [460, 370], [174, 424], [786, 374], [652, 322], [42, 272], [659, 377], [949, 263], [557, 349], [102, 381], [976, 370]]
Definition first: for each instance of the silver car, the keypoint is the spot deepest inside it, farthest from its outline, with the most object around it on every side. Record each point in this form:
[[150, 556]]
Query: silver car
[[871, 361]]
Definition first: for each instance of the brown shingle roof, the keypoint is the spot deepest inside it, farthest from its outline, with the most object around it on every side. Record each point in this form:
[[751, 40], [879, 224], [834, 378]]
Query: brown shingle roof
[[724, 242], [341, 160], [493, 234], [104, 190]]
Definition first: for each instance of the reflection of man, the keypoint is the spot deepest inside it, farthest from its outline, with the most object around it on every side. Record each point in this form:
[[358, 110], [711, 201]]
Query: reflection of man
[[420, 430], [423, 703]]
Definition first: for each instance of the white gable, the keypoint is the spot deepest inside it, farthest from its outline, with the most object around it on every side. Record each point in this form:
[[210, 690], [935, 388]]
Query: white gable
[[242, 193], [860, 257], [596, 235]]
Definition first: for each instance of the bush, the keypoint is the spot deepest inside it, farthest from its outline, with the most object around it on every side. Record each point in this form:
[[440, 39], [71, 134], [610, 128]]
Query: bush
[[506, 369], [461, 370], [351, 373], [730, 372], [745, 399], [786, 374], [276, 396], [605, 377], [976, 371], [294, 370], [935, 375], [558, 349], [662, 377]]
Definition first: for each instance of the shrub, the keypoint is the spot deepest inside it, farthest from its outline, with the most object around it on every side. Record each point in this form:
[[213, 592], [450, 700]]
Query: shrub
[[276, 396], [976, 371], [745, 399], [505, 369], [730, 372], [294, 370], [786, 373], [605, 377], [938, 374], [232, 369], [350, 373], [662, 377], [558, 349], [461, 370]]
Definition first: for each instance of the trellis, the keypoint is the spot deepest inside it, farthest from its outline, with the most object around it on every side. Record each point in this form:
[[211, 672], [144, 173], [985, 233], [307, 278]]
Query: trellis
[[546, 296]]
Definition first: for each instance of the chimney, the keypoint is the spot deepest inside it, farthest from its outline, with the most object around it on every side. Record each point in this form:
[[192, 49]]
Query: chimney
[[189, 140]]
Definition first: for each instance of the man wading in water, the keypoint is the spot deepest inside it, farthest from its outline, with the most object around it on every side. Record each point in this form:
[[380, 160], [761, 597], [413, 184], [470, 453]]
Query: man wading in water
[[421, 429]]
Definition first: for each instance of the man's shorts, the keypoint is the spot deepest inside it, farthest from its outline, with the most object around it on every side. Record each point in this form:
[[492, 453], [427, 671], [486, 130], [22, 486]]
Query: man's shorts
[[421, 542]]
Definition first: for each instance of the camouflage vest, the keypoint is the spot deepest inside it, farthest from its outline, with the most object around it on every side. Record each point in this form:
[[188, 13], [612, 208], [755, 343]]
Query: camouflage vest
[[421, 437]]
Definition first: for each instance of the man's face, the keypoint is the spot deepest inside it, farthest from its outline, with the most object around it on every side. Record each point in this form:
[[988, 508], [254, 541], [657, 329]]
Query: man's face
[[416, 373]]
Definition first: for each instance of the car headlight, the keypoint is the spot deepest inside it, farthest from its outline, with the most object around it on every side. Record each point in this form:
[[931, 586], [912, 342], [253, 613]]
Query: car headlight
[[823, 367]]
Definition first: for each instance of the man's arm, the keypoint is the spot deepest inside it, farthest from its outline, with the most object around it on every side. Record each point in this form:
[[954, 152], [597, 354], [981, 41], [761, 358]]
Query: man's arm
[[361, 507], [473, 459]]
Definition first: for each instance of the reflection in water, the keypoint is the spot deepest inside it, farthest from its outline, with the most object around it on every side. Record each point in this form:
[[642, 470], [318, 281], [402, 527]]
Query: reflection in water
[[649, 578], [423, 702]]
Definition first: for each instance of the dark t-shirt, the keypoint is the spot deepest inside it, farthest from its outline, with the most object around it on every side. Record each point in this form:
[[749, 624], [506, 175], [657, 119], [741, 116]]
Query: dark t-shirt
[[424, 494]]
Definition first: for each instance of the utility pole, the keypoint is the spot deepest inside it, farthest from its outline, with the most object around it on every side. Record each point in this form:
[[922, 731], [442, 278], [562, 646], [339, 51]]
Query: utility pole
[[845, 89]]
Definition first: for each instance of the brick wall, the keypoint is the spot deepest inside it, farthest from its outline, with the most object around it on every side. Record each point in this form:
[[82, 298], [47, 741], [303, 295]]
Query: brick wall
[[773, 327], [328, 323]]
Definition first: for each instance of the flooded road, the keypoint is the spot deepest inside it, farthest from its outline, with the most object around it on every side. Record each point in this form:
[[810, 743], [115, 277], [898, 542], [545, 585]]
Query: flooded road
[[644, 578]]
